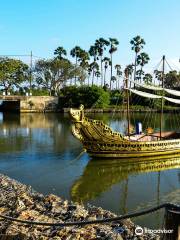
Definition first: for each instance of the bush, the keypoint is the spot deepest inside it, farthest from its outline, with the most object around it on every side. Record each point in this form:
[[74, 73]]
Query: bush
[[88, 96], [116, 97]]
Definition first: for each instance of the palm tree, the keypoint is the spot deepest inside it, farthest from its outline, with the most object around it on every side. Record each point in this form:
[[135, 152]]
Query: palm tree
[[75, 52], [101, 45], [137, 44], [118, 74], [114, 79], [107, 62], [113, 48], [89, 73], [139, 74], [147, 78], [93, 51], [60, 51], [142, 59], [83, 59], [97, 74], [94, 67], [130, 69]]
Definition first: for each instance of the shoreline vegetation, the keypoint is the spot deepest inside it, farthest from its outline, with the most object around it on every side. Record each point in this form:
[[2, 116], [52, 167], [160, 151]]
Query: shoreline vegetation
[[22, 202], [90, 77]]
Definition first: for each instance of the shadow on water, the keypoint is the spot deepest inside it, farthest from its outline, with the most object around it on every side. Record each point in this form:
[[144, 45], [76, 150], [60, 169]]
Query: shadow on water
[[39, 150]]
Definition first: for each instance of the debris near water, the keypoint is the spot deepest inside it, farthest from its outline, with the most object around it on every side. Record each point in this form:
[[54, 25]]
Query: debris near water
[[22, 202]]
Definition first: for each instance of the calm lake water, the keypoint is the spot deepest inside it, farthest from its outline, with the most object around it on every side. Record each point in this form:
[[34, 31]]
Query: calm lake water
[[39, 150]]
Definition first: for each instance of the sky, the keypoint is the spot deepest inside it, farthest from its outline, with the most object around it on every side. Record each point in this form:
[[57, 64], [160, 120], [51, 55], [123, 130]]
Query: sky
[[43, 25]]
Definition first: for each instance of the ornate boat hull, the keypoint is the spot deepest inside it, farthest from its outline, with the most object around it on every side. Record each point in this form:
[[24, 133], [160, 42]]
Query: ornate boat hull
[[133, 149], [101, 141]]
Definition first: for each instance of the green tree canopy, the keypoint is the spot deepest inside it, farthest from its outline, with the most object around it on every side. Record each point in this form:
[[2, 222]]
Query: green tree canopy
[[12, 73], [54, 73]]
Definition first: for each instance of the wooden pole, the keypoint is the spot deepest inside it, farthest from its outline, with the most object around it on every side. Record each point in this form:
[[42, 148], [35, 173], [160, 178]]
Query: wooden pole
[[162, 100], [127, 98], [30, 82]]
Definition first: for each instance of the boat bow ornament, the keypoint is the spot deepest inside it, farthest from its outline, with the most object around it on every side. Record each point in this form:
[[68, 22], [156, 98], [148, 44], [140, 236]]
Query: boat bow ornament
[[90, 130]]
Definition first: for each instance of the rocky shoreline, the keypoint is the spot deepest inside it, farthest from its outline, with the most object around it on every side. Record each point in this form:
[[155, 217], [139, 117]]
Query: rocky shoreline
[[22, 202]]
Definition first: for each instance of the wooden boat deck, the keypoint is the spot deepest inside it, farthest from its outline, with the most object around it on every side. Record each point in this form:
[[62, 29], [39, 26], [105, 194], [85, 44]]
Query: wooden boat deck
[[153, 137]]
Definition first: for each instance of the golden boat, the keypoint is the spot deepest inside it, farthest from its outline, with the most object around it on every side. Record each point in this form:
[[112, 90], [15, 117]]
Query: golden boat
[[99, 140]]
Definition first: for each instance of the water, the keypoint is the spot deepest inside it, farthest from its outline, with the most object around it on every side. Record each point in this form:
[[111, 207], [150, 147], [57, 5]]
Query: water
[[39, 150]]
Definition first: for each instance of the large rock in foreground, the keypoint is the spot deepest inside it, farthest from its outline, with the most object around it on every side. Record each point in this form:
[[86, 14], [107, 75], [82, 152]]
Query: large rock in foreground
[[22, 202]]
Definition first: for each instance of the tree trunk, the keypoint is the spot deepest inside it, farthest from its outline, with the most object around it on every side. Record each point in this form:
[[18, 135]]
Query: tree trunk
[[141, 75], [93, 78], [104, 77], [111, 71], [76, 67], [135, 69], [101, 73]]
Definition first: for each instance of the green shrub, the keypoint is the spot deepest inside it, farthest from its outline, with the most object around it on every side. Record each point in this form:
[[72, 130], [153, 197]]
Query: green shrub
[[88, 96]]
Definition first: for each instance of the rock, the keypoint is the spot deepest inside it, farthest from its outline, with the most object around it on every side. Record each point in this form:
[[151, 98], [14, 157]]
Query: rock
[[24, 203]]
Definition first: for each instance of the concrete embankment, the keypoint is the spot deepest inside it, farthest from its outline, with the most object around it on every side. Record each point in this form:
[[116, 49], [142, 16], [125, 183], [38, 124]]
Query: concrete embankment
[[22, 202]]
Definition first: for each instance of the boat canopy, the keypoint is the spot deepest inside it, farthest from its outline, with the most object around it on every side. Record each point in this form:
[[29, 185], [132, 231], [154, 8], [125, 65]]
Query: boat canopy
[[157, 88], [154, 96]]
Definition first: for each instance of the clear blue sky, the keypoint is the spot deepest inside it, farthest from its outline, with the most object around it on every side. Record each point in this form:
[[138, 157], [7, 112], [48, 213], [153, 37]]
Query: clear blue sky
[[43, 25]]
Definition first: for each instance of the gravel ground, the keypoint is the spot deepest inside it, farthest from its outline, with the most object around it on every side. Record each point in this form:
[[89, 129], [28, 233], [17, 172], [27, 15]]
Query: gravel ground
[[22, 202]]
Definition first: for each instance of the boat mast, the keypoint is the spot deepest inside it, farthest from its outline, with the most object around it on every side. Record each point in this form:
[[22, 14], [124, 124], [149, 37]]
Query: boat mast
[[127, 99], [162, 100]]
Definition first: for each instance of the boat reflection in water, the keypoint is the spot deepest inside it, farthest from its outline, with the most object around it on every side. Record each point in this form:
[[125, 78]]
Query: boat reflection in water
[[100, 176]]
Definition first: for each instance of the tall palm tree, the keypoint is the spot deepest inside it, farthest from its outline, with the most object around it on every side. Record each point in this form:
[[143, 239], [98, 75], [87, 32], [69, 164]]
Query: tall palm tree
[[147, 78], [89, 74], [137, 44], [113, 48], [118, 74], [94, 67], [107, 62], [75, 53], [60, 51], [130, 69], [83, 59], [101, 45], [93, 52], [142, 59], [97, 74]]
